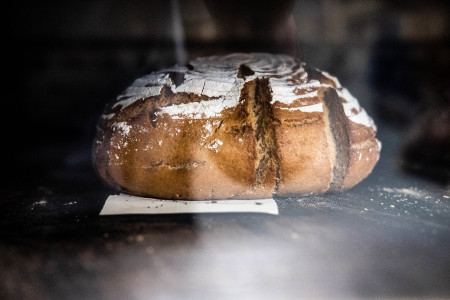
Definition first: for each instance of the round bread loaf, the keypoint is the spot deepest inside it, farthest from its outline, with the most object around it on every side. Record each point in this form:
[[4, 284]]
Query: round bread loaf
[[239, 126]]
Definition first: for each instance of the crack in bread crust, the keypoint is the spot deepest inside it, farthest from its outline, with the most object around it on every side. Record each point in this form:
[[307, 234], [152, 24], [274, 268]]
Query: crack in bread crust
[[260, 111], [339, 128], [183, 165]]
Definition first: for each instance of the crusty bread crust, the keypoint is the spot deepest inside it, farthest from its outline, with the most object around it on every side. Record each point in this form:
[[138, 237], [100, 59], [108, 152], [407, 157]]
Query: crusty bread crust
[[240, 126]]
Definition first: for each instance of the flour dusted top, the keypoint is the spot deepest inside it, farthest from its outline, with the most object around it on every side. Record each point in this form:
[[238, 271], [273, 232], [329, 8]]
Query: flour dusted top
[[221, 79]]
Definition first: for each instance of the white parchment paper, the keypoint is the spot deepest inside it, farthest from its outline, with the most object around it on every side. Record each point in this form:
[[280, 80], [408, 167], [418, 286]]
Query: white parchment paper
[[124, 204]]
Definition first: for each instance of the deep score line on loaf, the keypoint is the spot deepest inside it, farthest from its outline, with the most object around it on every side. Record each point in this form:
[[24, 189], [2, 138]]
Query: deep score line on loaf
[[236, 126]]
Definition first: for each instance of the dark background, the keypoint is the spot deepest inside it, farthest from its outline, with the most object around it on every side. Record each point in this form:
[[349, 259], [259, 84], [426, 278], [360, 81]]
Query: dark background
[[64, 60]]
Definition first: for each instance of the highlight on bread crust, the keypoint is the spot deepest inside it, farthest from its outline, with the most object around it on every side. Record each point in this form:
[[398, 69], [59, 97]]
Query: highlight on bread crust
[[239, 126]]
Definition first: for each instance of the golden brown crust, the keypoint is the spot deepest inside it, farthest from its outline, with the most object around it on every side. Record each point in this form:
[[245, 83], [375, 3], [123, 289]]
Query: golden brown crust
[[303, 149], [254, 131], [173, 159], [364, 153]]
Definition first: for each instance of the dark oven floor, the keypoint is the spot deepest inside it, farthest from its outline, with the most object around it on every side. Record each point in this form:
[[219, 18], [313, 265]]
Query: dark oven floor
[[388, 237]]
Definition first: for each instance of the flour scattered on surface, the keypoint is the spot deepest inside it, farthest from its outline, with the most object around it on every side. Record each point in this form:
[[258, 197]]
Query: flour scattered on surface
[[208, 127], [216, 77], [413, 192], [43, 202], [198, 110], [307, 108], [215, 144], [123, 126], [354, 111]]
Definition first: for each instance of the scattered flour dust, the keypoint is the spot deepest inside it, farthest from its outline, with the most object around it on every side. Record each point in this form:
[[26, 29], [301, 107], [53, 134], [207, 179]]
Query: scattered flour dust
[[413, 192], [41, 202], [123, 126]]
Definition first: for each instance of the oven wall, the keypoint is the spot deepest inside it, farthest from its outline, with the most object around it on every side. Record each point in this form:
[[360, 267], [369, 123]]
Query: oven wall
[[64, 60]]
